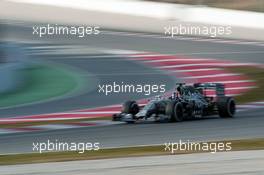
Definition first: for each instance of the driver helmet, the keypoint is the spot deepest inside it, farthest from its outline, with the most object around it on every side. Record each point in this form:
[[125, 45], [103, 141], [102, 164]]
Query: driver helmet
[[179, 90]]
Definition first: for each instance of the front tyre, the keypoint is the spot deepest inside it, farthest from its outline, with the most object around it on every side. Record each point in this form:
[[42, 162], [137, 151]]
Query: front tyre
[[174, 111], [226, 107], [130, 107]]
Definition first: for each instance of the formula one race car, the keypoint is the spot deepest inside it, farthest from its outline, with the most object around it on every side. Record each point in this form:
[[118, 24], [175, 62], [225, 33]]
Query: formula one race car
[[186, 102]]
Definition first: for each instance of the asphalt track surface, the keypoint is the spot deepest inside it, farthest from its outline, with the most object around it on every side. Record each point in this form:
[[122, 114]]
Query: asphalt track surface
[[245, 125]]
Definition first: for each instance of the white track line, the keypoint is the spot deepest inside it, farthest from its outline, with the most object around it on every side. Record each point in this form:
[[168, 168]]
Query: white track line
[[95, 112], [40, 119], [8, 131], [178, 59], [53, 126], [195, 70], [212, 76], [129, 53], [145, 55], [48, 47], [209, 64], [232, 81]]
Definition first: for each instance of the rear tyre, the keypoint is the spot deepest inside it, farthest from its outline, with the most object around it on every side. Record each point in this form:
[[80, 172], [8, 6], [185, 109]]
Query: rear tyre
[[226, 107], [174, 111], [130, 107]]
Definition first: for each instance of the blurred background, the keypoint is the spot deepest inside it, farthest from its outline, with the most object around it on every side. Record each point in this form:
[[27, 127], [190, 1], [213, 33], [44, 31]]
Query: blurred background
[[50, 83]]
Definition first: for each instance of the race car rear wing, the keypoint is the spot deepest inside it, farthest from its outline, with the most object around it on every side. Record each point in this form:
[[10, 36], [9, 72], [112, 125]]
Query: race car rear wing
[[218, 87]]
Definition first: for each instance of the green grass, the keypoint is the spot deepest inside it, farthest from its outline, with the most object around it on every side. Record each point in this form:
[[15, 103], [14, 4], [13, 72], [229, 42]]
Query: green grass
[[19, 124], [237, 145], [42, 82], [253, 73]]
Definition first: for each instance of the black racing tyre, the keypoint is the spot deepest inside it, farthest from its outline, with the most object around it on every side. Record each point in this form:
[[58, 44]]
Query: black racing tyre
[[169, 111], [174, 110], [226, 107], [178, 112], [130, 107], [191, 109]]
